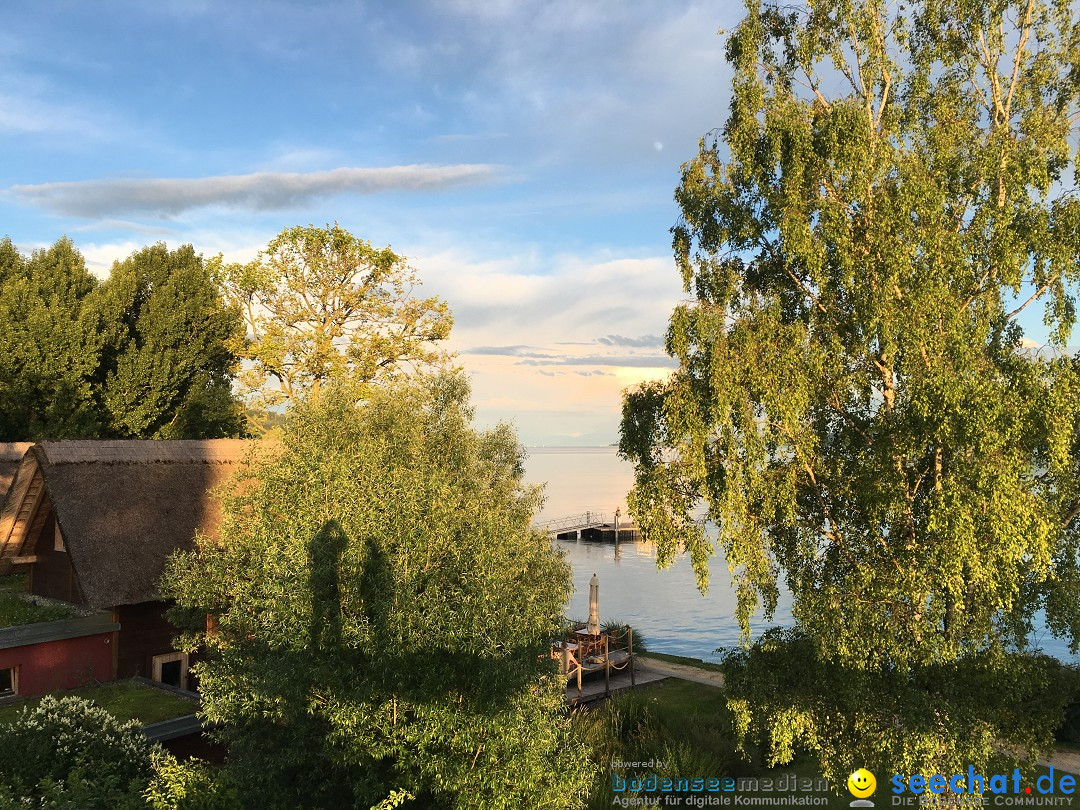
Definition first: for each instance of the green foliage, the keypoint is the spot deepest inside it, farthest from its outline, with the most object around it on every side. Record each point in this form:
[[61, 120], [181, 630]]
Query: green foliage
[[321, 304], [383, 613], [936, 718], [48, 344], [1069, 729], [69, 753], [165, 370], [854, 404], [142, 355], [189, 785]]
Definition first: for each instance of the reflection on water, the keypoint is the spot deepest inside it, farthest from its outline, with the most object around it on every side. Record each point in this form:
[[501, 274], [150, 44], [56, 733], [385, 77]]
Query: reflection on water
[[664, 605]]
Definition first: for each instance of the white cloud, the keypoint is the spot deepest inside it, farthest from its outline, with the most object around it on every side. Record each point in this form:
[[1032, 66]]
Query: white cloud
[[236, 245], [545, 337], [100, 258], [259, 191]]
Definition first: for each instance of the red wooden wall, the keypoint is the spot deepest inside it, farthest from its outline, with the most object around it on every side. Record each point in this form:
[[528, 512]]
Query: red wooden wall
[[144, 633], [52, 666], [52, 574]]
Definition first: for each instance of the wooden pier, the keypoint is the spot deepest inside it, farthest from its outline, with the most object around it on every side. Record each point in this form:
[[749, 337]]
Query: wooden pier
[[590, 526], [595, 690], [606, 532]]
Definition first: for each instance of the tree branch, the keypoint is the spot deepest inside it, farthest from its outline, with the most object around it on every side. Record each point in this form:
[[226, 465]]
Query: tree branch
[[1034, 295], [1025, 30]]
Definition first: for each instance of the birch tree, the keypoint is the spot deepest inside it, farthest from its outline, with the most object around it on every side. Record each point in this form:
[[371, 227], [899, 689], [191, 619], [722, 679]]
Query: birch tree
[[856, 404]]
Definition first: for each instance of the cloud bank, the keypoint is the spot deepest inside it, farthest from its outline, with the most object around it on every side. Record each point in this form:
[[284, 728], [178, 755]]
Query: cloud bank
[[259, 191]]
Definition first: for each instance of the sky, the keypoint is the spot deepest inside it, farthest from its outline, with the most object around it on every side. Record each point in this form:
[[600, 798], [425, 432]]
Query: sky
[[522, 155]]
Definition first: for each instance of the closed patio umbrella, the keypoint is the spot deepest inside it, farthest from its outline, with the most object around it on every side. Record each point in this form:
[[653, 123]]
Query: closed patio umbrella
[[594, 606]]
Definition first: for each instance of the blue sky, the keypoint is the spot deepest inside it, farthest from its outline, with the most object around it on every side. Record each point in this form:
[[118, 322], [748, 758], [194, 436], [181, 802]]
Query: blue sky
[[523, 155]]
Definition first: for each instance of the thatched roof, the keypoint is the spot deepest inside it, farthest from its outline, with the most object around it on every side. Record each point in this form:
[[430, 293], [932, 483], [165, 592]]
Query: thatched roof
[[11, 454], [124, 506]]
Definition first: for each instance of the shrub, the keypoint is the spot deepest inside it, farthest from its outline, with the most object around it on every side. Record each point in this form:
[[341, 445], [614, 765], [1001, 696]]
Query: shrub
[[69, 752]]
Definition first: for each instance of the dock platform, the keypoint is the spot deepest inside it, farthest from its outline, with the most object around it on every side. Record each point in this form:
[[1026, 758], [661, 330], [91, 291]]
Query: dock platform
[[592, 526], [593, 690]]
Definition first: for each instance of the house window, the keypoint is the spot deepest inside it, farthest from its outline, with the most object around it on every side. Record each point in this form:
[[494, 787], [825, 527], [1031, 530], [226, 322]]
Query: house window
[[58, 539], [172, 669], [8, 682]]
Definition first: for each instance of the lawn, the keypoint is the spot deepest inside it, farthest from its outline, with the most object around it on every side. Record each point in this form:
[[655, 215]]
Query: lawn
[[126, 700], [16, 610]]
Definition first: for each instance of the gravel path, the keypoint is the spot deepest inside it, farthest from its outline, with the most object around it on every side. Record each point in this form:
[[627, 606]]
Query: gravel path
[[682, 671]]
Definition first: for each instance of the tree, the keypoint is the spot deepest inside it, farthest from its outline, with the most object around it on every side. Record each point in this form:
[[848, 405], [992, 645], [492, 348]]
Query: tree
[[189, 784], [166, 370], [855, 404], [321, 303], [143, 355], [382, 613], [48, 344]]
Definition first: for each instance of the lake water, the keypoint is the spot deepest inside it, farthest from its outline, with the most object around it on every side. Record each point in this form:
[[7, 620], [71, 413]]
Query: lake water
[[665, 606]]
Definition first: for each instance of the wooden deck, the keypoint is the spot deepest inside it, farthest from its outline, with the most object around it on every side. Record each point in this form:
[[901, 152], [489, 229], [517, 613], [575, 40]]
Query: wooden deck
[[592, 690], [597, 665]]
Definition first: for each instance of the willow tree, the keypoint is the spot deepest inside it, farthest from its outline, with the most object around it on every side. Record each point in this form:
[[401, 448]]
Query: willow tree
[[856, 403], [320, 304], [383, 614]]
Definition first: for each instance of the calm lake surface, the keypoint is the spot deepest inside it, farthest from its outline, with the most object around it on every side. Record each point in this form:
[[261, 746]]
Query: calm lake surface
[[664, 605]]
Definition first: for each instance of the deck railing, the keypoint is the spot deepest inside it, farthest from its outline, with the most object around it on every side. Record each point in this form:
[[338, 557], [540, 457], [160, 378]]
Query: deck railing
[[580, 653]]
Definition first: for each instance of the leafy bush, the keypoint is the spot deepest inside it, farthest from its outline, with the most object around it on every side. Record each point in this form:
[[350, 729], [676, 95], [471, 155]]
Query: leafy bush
[[191, 785], [68, 752], [1069, 730], [383, 613]]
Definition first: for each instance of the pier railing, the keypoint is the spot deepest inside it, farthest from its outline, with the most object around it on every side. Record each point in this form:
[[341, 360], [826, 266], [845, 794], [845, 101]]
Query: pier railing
[[585, 520]]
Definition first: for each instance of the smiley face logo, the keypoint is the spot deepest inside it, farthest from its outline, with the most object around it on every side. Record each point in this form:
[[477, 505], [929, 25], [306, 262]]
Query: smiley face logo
[[861, 783]]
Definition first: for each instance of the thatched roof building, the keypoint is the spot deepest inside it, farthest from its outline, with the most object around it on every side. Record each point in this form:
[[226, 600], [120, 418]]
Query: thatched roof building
[[117, 509], [11, 454]]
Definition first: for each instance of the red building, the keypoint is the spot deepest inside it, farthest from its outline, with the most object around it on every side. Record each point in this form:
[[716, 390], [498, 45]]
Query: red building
[[92, 523]]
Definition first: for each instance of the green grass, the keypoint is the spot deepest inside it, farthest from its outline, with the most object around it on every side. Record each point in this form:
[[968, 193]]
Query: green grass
[[676, 702], [126, 700], [15, 610]]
